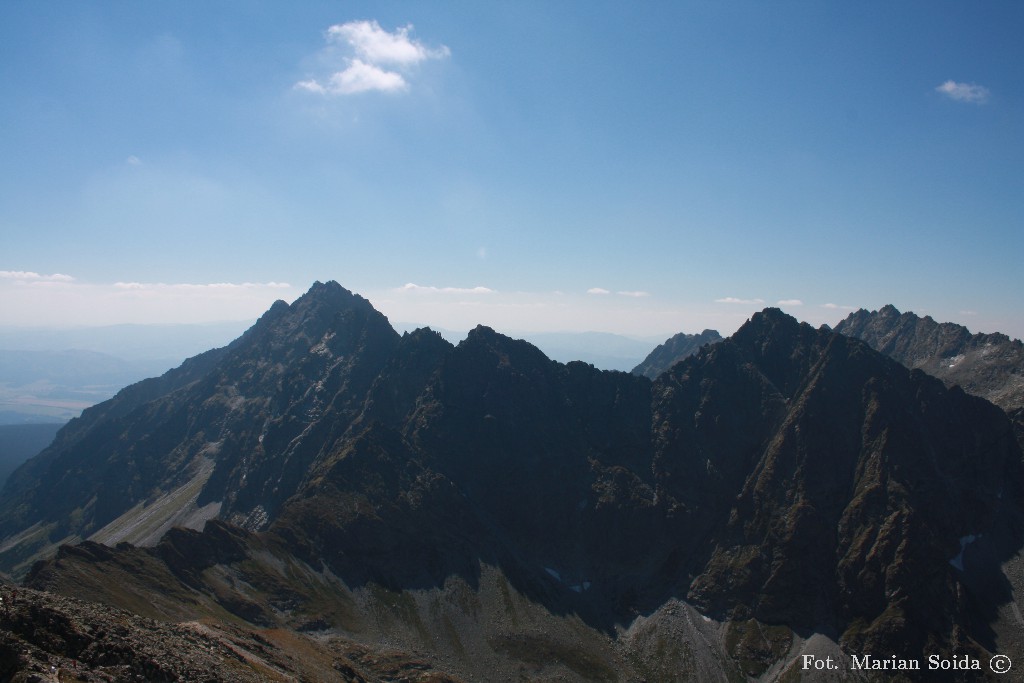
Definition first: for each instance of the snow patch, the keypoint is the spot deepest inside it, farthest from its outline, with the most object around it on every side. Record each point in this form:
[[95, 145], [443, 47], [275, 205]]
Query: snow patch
[[958, 561], [952, 360]]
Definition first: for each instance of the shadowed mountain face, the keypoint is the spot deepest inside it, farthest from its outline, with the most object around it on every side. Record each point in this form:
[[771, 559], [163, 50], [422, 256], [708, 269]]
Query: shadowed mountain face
[[20, 442], [675, 349], [785, 476]]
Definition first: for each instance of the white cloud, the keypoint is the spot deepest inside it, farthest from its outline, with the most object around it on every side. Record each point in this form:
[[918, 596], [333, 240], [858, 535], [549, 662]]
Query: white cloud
[[311, 86], [411, 287], [636, 294], [789, 302], [133, 161], [374, 48], [184, 286], [837, 307], [964, 92], [377, 46], [29, 276], [598, 290], [361, 77], [734, 300]]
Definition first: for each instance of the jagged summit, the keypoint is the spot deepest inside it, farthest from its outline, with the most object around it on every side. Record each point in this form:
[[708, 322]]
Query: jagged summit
[[324, 301], [329, 294], [888, 310], [773, 324], [483, 332]]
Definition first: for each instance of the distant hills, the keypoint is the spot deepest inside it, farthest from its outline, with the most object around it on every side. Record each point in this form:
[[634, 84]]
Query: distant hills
[[787, 490], [50, 375]]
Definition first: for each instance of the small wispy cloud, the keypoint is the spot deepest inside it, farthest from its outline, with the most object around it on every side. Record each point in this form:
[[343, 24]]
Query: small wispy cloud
[[789, 302], [635, 294], [838, 307], [154, 286], [376, 54], [411, 287], [735, 300], [29, 276], [598, 290], [133, 161], [964, 92]]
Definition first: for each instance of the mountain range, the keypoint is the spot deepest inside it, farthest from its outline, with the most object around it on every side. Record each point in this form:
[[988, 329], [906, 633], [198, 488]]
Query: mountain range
[[497, 515], [49, 376], [986, 365]]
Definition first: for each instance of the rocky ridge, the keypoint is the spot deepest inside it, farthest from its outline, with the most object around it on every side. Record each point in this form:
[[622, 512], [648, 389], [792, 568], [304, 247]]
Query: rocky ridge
[[986, 365], [673, 350]]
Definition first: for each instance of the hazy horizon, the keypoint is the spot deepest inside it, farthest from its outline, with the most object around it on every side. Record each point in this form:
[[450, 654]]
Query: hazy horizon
[[456, 320]]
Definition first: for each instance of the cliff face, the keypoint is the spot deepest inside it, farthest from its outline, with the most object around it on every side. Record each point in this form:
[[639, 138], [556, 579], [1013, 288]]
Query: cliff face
[[786, 476]]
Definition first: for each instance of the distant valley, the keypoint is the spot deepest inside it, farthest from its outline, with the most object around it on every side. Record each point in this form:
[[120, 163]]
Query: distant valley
[[50, 375]]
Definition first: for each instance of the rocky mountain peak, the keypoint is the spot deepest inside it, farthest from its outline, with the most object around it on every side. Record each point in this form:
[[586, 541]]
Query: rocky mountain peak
[[888, 311], [769, 322], [326, 301], [482, 334], [329, 295], [781, 346]]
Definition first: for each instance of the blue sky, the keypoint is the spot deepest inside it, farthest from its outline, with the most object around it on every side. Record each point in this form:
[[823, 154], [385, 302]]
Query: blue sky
[[640, 169]]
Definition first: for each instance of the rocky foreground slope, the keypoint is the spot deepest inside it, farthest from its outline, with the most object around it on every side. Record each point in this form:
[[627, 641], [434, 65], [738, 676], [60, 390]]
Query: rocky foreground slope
[[786, 491], [49, 637]]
